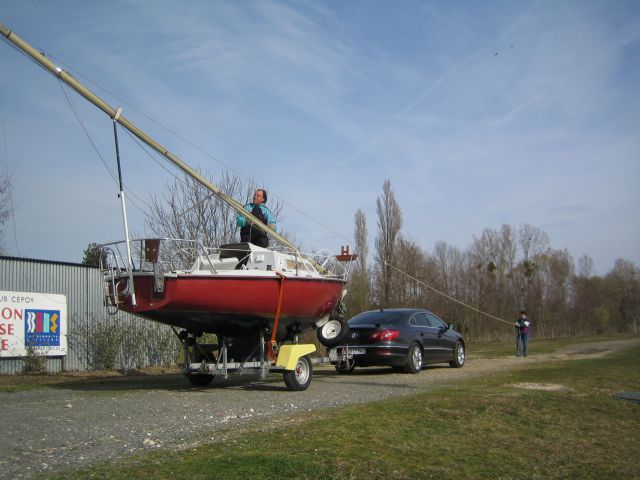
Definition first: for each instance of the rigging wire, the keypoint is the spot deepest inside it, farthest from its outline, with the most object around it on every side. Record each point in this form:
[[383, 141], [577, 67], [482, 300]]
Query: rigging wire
[[161, 162], [447, 296], [95, 148], [156, 158], [73, 109], [145, 150], [179, 178]]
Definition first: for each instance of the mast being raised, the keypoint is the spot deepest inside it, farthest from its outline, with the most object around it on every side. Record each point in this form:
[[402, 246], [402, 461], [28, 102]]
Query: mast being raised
[[67, 78]]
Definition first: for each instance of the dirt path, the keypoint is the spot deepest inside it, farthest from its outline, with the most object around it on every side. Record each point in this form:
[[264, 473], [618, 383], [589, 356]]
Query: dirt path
[[78, 422], [594, 350]]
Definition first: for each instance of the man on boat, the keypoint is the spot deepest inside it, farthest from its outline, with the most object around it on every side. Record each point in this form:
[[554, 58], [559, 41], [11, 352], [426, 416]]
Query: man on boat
[[249, 233]]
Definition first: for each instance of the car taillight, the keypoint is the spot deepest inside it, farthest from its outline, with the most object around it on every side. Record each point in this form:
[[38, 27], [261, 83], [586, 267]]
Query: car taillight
[[385, 335]]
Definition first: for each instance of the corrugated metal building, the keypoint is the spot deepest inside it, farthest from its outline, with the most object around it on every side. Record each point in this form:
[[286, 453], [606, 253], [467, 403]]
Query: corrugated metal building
[[95, 339]]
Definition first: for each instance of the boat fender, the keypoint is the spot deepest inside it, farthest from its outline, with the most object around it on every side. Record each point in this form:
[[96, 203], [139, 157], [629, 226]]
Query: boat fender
[[289, 354]]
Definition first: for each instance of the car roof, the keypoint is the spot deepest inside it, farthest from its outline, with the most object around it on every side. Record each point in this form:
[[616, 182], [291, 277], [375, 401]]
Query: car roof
[[401, 314], [398, 310]]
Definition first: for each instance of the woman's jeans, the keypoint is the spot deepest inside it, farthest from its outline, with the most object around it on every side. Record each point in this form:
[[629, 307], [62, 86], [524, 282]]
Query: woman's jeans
[[522, 338]]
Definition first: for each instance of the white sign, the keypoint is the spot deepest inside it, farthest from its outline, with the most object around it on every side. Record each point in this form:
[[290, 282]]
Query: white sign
[[32, 324]]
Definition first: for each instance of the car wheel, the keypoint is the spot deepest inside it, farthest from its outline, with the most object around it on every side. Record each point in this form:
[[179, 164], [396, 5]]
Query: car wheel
[[346, 366], [199, 379], [414, 359], [300, 378], [458, 360], [333, 333]]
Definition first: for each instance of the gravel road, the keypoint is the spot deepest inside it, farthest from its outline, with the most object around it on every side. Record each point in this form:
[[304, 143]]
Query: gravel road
[[83, 421]]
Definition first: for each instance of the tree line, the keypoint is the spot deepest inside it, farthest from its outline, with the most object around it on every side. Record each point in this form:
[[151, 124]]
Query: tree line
[[503, 271]]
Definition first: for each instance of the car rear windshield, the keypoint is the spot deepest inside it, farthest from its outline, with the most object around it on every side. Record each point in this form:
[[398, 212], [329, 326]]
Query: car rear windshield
[[388, 318]]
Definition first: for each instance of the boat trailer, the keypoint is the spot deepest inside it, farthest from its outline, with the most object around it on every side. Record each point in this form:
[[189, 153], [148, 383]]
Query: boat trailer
[[247, 356]]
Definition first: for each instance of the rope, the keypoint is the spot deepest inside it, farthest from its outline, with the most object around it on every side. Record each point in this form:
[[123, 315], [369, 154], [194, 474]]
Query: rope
[[447, 296]]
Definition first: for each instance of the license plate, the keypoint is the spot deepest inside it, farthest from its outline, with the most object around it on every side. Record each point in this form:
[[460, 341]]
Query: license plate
[[357, 351], [336, 354]]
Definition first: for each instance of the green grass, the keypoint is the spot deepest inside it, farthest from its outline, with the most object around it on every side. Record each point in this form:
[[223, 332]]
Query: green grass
[[99, 380], [482, 428]]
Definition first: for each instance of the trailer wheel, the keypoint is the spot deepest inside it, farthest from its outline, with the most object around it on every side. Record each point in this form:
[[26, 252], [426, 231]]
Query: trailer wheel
[[333, 332], [300, 378], [199, 379]]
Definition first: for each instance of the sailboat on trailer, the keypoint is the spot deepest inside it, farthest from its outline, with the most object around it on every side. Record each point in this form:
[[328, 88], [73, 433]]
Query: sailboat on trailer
[[240, 292]]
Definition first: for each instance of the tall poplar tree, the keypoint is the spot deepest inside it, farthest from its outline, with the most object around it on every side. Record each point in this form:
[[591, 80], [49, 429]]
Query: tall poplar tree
[[389, 225], [359, 295]]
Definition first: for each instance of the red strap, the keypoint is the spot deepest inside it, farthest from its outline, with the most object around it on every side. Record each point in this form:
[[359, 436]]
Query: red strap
[[273, 345]]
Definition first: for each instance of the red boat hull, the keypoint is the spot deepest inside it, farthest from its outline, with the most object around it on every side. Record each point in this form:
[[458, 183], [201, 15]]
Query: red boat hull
[[236, 305]]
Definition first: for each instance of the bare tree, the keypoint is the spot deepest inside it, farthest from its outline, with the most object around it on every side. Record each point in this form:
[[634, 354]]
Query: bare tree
[[494, 256], [533, 241], [189, 211], [411, 260], [359, 294], [557, 270], [624, 282], [585, 266], [5, 203], [441, 256], [389, 225]]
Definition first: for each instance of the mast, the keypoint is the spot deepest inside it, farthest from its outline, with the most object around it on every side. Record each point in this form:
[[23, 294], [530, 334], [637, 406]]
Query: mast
[[67, 78]]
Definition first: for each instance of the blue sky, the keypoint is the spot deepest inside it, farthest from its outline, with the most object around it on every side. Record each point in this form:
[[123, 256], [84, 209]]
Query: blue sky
[[480, 113]]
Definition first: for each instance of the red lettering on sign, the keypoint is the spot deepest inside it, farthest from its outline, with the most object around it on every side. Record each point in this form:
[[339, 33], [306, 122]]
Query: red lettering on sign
[[4, 344], [11, 313], [6, 328]]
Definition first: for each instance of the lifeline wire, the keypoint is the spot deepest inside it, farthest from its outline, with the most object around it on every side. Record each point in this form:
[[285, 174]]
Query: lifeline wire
[[448, 296]]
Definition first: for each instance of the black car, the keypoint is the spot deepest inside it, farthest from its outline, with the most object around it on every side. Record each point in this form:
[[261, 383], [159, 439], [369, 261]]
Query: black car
[[403, 338]]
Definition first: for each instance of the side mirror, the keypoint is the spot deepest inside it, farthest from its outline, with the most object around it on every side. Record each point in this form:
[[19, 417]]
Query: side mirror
[[451, 326]]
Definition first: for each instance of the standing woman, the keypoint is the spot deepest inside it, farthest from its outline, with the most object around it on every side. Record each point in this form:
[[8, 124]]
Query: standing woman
[[257, 207]]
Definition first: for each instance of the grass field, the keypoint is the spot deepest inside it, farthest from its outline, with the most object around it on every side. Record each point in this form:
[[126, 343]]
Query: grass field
[[551, 420]]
